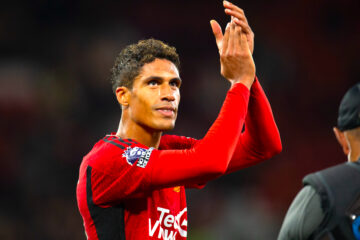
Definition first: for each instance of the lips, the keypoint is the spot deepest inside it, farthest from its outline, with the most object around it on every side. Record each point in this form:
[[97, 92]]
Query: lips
[[166, 111]]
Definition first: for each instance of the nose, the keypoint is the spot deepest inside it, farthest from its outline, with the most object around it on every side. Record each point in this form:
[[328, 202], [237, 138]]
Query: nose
[[167, 93]]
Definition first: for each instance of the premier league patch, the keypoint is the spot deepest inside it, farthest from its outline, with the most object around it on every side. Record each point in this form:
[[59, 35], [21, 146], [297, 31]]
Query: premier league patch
[[142, 156]]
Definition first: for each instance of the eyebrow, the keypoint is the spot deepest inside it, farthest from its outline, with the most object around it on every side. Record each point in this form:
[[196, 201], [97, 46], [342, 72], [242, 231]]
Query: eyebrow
[[160, 78]]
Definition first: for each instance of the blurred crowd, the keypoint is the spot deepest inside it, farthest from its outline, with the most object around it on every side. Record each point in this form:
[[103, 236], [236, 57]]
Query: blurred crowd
[[56, 102]]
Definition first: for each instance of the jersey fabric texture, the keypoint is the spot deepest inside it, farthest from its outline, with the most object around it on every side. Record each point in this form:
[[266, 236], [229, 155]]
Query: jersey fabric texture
[[127, 190]]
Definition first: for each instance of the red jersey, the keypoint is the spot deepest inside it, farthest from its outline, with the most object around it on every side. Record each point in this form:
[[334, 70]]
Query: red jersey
[[127, 190]]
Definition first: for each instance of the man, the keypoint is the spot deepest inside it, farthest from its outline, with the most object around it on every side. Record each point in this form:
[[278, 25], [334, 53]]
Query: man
[[132, 183], [328, 207]]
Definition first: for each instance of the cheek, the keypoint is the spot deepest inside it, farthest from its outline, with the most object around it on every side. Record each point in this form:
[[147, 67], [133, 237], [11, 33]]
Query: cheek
[[141, 108], [177, 97]]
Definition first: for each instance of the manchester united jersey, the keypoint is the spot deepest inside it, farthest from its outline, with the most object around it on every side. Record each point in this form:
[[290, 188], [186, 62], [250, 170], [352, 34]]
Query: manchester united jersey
[[123, 207]]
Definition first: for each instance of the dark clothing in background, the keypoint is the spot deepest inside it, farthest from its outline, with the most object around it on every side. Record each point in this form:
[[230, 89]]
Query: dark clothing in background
[[326, 202]]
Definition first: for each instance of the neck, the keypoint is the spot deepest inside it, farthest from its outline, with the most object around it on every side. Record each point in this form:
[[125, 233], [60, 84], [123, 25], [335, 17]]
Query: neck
[[143, 135], [354, 154]]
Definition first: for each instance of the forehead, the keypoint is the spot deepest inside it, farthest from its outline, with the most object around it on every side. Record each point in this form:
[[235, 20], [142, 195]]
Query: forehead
[[159, 67]]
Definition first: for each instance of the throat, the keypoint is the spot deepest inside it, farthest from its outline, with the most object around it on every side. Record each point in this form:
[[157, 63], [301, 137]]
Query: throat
[[143, 135]]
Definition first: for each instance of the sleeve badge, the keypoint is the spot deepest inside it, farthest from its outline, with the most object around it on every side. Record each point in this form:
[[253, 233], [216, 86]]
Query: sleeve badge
[[142, 156]]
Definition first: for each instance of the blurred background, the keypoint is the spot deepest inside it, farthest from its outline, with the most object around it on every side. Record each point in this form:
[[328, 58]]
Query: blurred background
[[56, 102]]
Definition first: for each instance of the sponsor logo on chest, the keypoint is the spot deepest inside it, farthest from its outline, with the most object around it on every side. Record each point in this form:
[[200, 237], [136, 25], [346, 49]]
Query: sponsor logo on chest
[[167, 226]]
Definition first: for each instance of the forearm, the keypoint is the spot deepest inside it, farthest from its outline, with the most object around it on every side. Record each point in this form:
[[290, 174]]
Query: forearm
[[261, 138]]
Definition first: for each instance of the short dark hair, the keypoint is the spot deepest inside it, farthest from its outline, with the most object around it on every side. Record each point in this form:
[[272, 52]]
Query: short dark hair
[[131, 59]]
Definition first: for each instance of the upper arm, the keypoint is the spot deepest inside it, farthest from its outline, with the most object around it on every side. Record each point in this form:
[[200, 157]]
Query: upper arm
[[303, 217]]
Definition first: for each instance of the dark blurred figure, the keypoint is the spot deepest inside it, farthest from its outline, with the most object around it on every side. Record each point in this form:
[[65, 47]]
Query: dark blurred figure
[[328, 207]]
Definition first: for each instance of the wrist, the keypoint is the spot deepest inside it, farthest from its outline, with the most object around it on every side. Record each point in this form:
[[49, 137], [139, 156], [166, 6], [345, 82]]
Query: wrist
[[247, 81]]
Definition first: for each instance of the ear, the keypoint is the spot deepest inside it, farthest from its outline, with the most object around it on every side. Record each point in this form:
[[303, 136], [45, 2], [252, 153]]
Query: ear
[[123, 96], [340, 136]]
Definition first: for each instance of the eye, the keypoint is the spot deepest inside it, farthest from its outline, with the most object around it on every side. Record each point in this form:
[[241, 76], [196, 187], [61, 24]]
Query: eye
[[153, 83], [175, 83]]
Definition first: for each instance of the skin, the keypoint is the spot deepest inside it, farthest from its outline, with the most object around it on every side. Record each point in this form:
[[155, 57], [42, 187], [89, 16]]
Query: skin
[[150, 107], [349, 142]]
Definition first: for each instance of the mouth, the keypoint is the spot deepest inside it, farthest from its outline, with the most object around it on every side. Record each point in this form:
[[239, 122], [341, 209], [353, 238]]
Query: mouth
[[167, 111]]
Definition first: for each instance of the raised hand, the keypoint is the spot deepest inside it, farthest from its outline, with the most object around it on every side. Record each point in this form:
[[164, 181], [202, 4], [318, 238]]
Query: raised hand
[[238, 16], [237, 64]]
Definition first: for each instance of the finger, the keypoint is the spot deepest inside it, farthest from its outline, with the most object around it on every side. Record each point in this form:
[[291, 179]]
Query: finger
[[238, 38], [216, 28], [232, 39], [245, 27], [244, 43], [225, 41], [236, 15], [233, 10], [244, 24], [232, 7]]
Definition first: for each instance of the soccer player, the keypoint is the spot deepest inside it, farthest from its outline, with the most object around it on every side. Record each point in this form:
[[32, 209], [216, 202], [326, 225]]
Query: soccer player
[[132, 183], [328, 206]]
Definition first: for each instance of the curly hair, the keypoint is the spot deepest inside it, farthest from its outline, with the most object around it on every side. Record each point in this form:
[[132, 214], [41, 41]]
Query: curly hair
[[130, 60]]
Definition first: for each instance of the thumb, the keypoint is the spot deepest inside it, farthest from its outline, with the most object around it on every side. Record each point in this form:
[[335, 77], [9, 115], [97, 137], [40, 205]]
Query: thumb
[[217, 32]]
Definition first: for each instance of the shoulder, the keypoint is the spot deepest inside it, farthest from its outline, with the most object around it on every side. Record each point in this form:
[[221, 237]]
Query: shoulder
[[318, 180], [111, 153], [333, 179], [305, 198], [109, 146], [336, 169]]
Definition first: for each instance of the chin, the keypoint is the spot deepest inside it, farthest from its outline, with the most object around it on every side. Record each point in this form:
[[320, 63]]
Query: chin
[[166, 126]]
